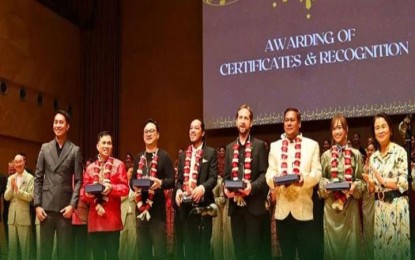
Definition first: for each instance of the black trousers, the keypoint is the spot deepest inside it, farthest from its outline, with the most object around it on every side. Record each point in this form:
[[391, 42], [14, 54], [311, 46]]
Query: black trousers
[[63, 227], [81, 249], [197, 236], [105, 245], [178, 235], [297, 235], [246, 233], [266, 252], [151, 234], [318, 233]]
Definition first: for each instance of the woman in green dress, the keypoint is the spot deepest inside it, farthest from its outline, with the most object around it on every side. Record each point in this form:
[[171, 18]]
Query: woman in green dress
[[342, 225]]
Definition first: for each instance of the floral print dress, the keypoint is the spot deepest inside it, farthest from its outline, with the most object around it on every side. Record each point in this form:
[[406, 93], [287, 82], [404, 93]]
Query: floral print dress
[[391, 223]]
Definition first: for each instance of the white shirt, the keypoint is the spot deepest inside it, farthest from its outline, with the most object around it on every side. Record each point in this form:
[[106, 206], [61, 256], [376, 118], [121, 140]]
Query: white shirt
[[193, 161]]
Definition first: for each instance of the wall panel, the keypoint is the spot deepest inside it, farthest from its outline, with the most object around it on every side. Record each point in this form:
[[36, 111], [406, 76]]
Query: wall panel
[[40, 51]]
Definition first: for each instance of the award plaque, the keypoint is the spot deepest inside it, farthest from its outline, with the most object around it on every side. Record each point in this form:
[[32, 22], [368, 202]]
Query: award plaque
[[144, 184], [287, 179], [343, 185], [94, 189], [234, 186], [187, 199]]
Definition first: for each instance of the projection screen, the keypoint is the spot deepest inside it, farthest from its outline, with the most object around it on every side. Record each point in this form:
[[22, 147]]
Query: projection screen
[[322, 56]]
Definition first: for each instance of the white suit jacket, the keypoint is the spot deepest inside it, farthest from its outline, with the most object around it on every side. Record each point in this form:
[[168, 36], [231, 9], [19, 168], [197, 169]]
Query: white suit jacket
[[301, 207]]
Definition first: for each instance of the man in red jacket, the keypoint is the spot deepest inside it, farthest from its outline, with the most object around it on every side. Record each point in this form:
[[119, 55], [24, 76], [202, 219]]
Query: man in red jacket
[[104, 219]]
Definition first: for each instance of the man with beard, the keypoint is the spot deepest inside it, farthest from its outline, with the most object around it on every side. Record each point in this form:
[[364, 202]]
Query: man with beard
[[196, 179], [246, 160], [296, 155], [155, 165], [59, 163]]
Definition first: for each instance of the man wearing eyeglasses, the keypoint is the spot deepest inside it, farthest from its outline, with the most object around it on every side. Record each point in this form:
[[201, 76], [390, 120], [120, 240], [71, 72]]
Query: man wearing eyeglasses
[[155, 165]]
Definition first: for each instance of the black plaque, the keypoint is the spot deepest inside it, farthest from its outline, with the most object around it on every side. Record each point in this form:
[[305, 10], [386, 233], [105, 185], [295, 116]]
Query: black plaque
[[286, 179], [234, 186], [144, 184], [343, 185], [94, 189]]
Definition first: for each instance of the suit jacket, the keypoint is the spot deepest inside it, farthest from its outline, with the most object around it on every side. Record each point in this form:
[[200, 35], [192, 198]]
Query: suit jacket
[[165, 172], [111, 220], [208, 173], [256, 199], [300, 207], [19, 210], [53, 176]]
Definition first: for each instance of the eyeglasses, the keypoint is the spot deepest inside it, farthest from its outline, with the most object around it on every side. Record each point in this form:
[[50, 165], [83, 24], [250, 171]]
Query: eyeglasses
[[150, 131]]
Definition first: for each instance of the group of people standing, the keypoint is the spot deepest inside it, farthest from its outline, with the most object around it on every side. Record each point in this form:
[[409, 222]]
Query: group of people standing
[[315, 219]]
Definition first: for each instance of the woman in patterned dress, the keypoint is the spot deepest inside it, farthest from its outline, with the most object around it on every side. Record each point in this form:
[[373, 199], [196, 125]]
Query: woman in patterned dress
[[387, 179]]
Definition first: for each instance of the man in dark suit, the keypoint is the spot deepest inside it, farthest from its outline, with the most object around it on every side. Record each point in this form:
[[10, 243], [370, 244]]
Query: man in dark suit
[[153, 164], [196, 180], [58, 163], [246, 160]]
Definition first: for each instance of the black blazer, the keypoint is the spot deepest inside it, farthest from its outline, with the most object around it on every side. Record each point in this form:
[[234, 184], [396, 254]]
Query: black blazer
[[53, 177], [259, 164], [165, 172], [208, 173]]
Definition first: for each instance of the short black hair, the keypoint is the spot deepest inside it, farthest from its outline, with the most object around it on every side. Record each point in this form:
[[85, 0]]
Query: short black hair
[[103, 133], [388, 121], [295, 110], [202, 126], [21, 154], [154, 122], [65, 115]]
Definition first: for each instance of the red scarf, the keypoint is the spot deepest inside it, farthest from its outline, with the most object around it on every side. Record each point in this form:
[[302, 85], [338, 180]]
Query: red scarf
[[145, 207], [105, 177], [284, 155], [348, 170], [247, 162], [195, 171]]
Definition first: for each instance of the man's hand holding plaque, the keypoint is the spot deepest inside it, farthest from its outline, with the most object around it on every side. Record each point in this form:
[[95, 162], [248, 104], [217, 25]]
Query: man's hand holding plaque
[[142, 184], [94, 189], [247, 189], [235, 186], [193, 198], [287, 179]]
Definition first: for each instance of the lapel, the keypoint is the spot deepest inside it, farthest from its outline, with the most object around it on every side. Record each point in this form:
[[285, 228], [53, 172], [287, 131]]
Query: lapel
[[65, 151], [24, 176], [200, 170], [54, 153], [202, 159]]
